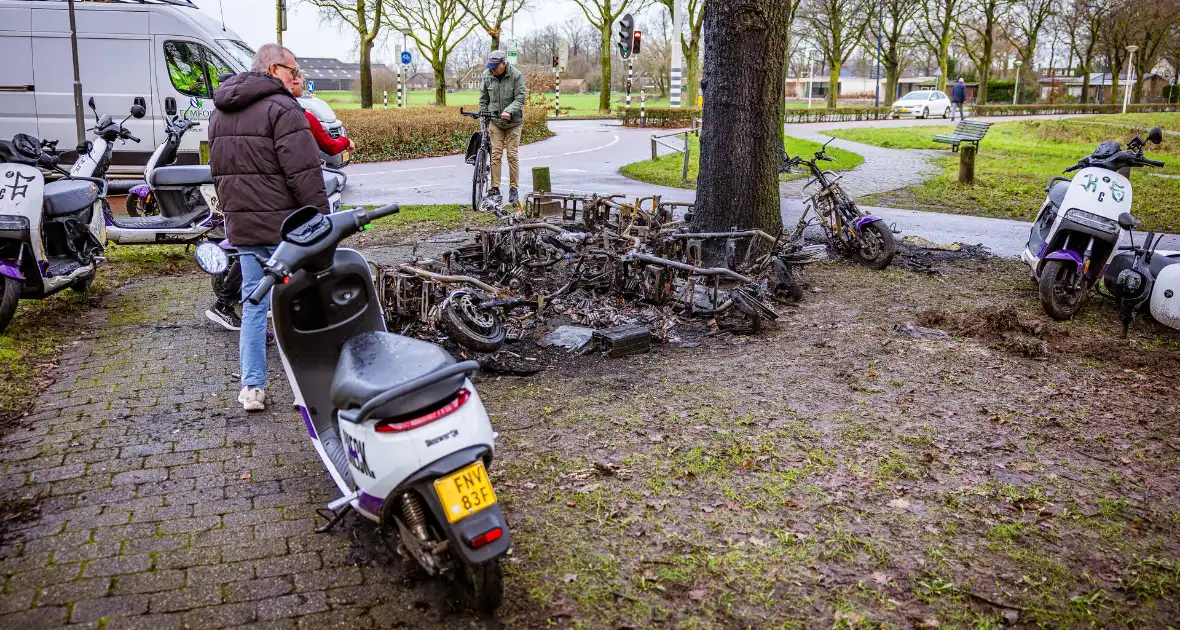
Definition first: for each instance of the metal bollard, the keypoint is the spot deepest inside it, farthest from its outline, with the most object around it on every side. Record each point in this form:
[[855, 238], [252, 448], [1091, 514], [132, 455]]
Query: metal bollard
[[385, 98], [642, 107]]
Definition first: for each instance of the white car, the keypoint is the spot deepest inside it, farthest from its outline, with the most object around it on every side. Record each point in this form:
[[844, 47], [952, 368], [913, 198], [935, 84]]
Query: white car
[[923, 104]]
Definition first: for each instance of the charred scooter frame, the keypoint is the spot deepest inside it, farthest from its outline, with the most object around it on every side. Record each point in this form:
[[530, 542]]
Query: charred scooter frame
[[396, 421], [862, 237]]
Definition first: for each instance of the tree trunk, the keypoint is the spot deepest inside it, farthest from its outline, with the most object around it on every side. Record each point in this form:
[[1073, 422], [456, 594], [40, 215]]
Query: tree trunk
[[440, 83], [1085, 84], [738, 182], [944, 60], [692, 64], [604, 104], [833, 84], [366, 75], [892, 76], [495, 40], [985, 68]]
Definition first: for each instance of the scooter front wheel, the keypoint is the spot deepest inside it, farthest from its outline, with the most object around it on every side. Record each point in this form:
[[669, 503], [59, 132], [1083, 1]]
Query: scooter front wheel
[[1059, 297], [875, 247], [9, 298]]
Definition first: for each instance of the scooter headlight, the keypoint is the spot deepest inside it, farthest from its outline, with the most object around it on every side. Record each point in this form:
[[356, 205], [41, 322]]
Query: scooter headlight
[[1092, 220], [13, 222], [1130, 281]]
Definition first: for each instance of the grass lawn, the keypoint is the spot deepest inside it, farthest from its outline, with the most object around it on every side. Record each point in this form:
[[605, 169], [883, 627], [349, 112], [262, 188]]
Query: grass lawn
[[1016, 160], [1169, 121], [666, 170]]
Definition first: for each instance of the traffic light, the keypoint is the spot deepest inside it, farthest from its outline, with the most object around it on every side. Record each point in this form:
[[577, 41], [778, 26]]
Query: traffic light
[[556, 61], [635, 46], [626, 36]]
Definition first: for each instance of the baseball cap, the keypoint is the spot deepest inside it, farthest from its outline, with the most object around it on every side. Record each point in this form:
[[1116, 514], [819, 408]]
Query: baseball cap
[[496, 58]]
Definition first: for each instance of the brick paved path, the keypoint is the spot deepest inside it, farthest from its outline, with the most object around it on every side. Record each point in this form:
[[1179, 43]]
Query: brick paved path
[[163, 505]]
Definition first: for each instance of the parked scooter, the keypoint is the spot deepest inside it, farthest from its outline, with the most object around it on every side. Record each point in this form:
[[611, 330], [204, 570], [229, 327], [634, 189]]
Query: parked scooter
[[396, 422], [1143, 280], [51, 234], [140, 200], [1076, 233]]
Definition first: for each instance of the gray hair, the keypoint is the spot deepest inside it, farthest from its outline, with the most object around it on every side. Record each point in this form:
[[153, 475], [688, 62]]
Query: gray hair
[[268, 55]]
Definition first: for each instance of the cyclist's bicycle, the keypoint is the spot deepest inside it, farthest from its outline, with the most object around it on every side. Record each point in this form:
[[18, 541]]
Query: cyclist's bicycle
[[479, 154]]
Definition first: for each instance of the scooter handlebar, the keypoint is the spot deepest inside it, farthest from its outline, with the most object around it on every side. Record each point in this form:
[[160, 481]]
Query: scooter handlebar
[[1151, 162], [383, 212], [264, 287]]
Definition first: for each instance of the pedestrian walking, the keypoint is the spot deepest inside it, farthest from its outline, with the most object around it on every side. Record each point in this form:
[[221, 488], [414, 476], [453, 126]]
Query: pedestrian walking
[[958, 97]]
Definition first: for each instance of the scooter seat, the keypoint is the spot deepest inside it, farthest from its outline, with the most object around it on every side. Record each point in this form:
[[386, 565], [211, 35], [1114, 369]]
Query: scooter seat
[[67, 196], [160, 222], [374, 362], [1057, 193], [331, 183], [195, 175]]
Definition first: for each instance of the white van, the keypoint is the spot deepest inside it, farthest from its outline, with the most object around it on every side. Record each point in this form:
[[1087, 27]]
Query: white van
[[164, 54]]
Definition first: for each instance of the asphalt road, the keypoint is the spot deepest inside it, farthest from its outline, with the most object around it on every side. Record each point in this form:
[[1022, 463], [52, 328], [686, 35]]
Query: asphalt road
[[585, 156]]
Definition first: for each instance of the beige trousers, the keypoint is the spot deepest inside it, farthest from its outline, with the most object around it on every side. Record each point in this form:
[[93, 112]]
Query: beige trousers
[[501, 140]]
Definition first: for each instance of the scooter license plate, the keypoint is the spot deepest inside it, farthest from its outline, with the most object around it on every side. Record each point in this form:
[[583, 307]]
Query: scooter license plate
[[465, 492], [344, 156]]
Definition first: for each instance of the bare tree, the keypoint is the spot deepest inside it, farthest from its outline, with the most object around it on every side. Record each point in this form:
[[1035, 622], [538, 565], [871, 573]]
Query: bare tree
[[1027, 23], [978, 30], [490, 15], [656, 60], [690, 45], [602, 15], [1081, 21], [580, 40], [839, 26], [893, 26], [1154, 22], [940, 18], [738, 182], [364, 17], [437, 27], [472, 51]]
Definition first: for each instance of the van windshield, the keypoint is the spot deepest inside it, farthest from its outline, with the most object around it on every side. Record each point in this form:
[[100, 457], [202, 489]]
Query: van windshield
[[239, 52]]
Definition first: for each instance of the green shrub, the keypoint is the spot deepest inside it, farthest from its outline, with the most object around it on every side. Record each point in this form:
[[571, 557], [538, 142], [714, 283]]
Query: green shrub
[[660, 117], [1069, 108], [391, 134], [839, 114]]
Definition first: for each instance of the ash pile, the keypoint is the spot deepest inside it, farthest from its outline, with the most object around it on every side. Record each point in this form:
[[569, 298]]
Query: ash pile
[[571, 273]]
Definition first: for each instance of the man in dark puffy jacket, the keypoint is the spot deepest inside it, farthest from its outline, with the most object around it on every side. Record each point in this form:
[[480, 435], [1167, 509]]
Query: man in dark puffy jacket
[[265, 165]]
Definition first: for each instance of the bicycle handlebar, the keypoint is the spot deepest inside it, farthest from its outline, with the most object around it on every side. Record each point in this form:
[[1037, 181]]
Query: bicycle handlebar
[[476, 115]]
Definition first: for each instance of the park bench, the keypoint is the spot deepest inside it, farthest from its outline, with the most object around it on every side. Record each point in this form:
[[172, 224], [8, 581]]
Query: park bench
[[966, 131]]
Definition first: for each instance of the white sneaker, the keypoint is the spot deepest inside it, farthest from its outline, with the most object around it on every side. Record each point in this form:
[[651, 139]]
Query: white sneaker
[[252, 399]]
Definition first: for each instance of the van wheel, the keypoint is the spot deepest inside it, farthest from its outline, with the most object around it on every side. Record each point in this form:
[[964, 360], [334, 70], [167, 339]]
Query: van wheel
[[9, 297]]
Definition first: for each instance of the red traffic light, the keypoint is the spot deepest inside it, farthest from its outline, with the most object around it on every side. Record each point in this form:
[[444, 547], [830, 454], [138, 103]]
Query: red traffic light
[[556, 61], [635, 45]]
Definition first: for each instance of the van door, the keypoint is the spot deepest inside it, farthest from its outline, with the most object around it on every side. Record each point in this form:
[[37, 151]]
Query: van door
[[188, 73], [115, 68], [18, 101]]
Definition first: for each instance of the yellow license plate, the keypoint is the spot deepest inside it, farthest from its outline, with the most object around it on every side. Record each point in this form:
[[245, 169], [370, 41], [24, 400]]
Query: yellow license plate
[[344, 156], [466, 492]]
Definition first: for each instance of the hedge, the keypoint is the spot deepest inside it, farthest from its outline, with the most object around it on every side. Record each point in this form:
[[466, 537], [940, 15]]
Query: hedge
[[1070, 108], [660, 117], [390, 134]]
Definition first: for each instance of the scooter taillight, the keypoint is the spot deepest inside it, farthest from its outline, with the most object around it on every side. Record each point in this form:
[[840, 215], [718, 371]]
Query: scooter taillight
[[452, 406], [492, 535]]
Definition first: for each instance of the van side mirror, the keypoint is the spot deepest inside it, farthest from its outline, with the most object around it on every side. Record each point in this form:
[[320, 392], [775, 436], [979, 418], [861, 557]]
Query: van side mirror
[[170, 106], [1126, 221], [1155, 136], [223, 77]]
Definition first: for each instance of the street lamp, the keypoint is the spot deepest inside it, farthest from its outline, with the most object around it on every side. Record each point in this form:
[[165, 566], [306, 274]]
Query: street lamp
[[1130, 80], [880, 29], [810, 78], [1016, 88]]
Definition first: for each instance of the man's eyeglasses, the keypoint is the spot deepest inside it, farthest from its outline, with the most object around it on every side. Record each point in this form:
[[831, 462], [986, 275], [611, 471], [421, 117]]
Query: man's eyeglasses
[[295, 72]]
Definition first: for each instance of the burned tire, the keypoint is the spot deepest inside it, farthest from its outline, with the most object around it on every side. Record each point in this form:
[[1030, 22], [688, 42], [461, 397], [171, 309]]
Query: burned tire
[[1059, 300], [9, 298], [484, 584], [473, 328], [876, 246]]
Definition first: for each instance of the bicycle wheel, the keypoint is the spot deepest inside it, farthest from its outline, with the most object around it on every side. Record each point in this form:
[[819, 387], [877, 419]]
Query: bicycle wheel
[[479, 180]]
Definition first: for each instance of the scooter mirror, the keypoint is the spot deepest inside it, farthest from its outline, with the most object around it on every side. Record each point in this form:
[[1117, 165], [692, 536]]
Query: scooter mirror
[[212, 259], [137, 111], [1126, 221], [1155, 136], [91, 103]]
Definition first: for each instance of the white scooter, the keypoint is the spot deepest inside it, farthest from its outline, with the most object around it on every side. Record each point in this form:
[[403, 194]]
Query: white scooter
[[1077, 230], [51, 234], [396, 422], [1143, 279]]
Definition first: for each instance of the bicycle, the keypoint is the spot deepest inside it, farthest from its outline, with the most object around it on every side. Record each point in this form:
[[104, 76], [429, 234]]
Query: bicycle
[[849, 231], [479, 154]]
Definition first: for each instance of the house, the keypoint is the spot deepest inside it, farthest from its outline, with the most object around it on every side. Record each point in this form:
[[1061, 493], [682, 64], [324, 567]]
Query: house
[[333, 74], [472, 79], [851, 86], [421, 81], [573, 86], [1102, 85], [972, 88]]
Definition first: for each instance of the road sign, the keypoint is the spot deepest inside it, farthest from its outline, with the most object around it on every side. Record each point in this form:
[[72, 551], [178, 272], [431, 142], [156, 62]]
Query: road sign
[[513, 50], [407, 58], [311, 87], [563, 54]]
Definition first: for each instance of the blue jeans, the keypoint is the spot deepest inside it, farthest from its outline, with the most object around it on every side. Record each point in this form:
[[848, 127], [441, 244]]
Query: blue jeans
[[252, 342]]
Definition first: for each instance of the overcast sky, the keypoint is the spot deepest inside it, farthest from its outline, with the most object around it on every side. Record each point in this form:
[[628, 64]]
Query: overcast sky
[[254, 20]]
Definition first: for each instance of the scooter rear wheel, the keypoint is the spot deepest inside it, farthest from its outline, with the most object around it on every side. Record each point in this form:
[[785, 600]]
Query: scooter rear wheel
[[9, 298], [1058, 297], [484, 585]]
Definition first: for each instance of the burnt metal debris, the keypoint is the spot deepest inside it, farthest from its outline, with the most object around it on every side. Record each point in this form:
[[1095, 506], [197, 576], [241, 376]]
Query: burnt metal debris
[[630, 270]]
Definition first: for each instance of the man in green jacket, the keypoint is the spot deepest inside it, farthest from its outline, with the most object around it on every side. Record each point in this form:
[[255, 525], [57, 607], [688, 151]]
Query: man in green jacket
[[503, 94]]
